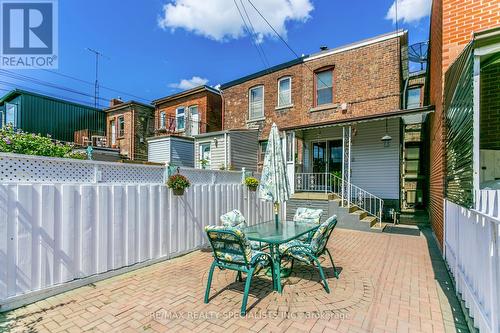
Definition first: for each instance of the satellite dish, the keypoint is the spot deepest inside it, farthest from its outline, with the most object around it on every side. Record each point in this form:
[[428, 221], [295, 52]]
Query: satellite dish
[[418, 53]]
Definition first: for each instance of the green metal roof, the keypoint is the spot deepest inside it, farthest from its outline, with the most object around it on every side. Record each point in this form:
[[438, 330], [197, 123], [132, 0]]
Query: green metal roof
[[16, 92]]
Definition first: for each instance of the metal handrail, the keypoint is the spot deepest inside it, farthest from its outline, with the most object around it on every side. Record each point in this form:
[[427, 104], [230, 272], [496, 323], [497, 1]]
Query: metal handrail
[[350, 194]]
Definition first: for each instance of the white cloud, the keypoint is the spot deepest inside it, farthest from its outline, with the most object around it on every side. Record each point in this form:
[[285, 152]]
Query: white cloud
[[184, 84], [409, 10], [220, 20]]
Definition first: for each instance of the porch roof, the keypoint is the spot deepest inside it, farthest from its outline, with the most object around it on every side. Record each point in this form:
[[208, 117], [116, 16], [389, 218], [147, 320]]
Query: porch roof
[[338, 122]]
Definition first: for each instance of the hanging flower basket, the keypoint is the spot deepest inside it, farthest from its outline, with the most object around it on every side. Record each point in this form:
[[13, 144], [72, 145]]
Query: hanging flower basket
[[178, 183], [251, 183]]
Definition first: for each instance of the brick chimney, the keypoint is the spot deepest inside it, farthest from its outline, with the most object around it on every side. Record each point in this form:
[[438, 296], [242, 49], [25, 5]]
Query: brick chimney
[[115, 102]]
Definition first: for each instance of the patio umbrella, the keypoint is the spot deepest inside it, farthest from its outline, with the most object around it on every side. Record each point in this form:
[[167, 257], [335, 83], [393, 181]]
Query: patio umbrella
[[274, 181]]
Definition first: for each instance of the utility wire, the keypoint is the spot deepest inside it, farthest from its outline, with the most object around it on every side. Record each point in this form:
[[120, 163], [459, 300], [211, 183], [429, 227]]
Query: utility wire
[[92, 84], [14, 85], [266, 66], [253, 32], [30, 79]]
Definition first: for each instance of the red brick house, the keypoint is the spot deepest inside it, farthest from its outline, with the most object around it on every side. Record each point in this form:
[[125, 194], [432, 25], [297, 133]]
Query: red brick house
[[343, 116], [128, 124], [455, 37], [191, 112]]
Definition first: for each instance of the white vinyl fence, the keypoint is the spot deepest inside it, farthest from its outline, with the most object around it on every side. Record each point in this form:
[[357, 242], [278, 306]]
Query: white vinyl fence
[[56, 236], [472, 251]]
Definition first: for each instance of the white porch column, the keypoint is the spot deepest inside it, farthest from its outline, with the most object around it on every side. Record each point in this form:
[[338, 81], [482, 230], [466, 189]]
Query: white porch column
[[346, 163], [290, 163]]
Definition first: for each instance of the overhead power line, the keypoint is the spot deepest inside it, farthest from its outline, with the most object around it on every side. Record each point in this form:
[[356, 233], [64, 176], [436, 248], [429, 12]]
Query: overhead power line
[[92, 84]]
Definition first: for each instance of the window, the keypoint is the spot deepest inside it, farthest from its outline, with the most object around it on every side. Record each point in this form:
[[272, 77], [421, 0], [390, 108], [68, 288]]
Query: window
[[262, 151], [413, 98], [205, 155], [179, 118], [163, 120], [11, 114], [121, 126], [324, 87], [113, 132], [194, 120], [285, 91], [256, 103]]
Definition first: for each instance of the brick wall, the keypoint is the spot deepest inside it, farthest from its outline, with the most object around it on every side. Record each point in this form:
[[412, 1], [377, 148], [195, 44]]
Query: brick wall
[[133, 143], [367, 79], [490, 107], [452, 25], [209, 109]]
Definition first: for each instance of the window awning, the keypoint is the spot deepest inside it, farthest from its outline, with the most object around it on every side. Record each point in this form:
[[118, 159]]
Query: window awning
[[409, 115]]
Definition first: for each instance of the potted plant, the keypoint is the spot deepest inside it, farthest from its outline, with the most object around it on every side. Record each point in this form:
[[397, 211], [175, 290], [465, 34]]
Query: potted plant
[[251, 183], [204, 163], [178, 183]]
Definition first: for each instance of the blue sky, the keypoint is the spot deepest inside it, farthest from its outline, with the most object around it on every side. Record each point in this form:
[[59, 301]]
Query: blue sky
[[153, 45]]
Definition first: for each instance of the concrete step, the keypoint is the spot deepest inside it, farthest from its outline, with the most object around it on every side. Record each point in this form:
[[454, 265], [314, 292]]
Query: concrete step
[[378, 227], [360, 213], [371, 220]]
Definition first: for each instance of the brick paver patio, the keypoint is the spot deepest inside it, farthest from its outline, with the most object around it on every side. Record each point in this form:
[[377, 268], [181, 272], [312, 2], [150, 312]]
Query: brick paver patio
[[389, 282]]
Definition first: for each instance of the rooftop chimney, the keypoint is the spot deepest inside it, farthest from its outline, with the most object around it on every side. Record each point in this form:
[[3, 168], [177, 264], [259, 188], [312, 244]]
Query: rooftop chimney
[[115, 102], [323, 47]]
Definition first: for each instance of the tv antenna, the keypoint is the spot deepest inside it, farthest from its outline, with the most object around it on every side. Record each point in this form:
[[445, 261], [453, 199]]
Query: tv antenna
[[96, 86]]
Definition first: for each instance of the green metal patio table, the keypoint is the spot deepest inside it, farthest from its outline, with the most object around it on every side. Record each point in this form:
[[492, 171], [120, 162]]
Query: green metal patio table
[[275, 234]]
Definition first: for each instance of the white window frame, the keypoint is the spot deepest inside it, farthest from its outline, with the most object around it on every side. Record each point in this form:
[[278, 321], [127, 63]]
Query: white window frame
[[192, 123], [289, 102], [200, 153], [258, 117], [163, 120], [177, 118]]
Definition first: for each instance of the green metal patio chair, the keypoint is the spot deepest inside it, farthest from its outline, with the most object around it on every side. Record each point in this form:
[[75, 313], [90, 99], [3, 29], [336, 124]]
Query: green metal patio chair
[[231, 250], [236, 219], [310, 252], [303, 214]]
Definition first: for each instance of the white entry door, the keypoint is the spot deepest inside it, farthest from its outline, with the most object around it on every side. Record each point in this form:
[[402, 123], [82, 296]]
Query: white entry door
[[195, 120]]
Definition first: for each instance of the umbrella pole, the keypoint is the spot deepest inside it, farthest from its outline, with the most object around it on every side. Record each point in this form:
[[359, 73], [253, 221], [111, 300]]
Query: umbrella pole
[[276, 210]]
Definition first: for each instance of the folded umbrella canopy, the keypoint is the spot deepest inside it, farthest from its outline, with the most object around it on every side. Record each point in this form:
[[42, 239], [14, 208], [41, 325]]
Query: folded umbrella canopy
[[274, 181]]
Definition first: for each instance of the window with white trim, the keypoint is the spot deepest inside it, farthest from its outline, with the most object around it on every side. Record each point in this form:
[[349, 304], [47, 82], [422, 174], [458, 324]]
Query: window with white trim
[[256, 103], [179, 118], [285, 91], [163, 120]]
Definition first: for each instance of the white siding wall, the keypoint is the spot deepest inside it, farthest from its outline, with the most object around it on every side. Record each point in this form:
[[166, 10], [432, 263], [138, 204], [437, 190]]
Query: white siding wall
[[374, 168], [217, 152], [159, 151]]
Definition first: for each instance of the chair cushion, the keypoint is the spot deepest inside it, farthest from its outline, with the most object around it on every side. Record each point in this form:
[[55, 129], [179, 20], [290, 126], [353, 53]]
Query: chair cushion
[[226, 243], [320, 237], [296, 253], [233, 218], [308, 215]]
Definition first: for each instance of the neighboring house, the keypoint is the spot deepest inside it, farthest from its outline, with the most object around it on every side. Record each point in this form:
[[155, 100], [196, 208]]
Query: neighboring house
[[466, 123], [342, 114], [227, 150], [184, 115], [173, 149], [62, 120], [191, 112], [128, 126]]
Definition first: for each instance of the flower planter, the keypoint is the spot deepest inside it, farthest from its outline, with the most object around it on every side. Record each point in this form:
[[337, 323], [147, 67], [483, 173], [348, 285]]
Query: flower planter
[[253, 189], [178, 191]]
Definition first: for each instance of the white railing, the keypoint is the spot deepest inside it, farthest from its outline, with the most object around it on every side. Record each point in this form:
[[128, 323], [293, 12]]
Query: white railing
[[349, 193], [472, 252]]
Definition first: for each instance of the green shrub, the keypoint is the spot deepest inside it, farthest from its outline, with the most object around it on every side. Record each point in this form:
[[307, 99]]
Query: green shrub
[[19, 142]]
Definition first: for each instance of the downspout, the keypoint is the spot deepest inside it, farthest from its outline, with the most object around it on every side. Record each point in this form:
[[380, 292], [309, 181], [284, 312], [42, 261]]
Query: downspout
[[404, 93], [133, 133], [223, 108], [226, 144]]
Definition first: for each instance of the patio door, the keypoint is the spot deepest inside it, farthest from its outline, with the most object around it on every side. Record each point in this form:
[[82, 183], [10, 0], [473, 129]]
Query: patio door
[[327, 156]]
